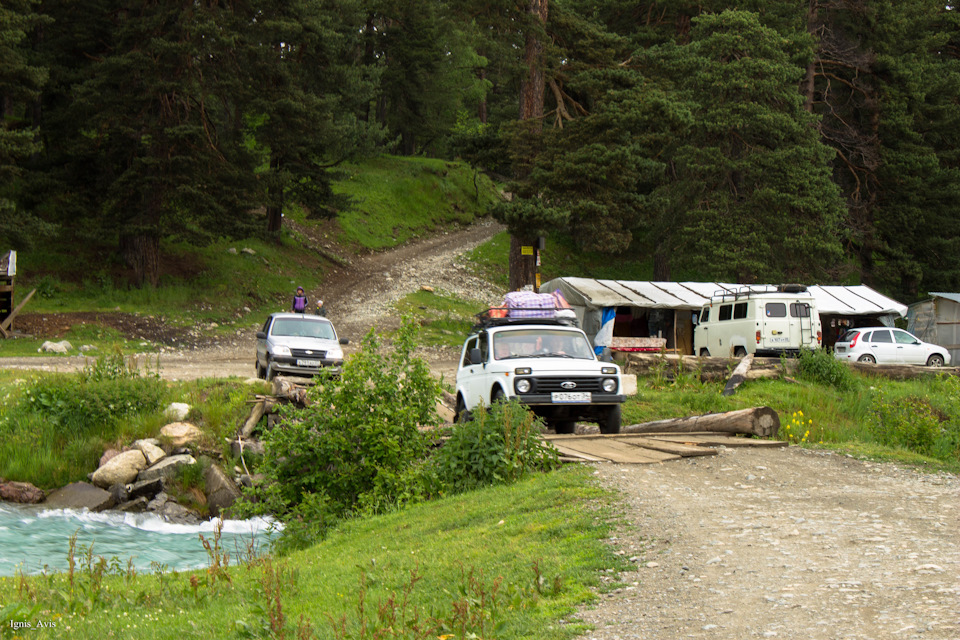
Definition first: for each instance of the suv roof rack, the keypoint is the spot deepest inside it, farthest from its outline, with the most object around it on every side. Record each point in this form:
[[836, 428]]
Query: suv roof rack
[[499, 316], [750, 290]]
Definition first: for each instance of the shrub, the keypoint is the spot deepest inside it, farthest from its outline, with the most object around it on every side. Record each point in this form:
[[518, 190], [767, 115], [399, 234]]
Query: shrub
[[909, 423], [498, 446], [819, 366], [352, 448]]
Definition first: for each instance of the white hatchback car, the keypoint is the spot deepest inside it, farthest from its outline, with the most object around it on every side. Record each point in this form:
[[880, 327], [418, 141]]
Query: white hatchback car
[[884, 345]]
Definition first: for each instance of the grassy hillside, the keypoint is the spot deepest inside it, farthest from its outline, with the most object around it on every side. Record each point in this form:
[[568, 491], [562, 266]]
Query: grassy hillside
[[234, 283]]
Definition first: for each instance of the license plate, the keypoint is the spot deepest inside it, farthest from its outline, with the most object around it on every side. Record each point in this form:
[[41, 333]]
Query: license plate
[[308, 363], [570, 396], [841, 349], [778, 340]]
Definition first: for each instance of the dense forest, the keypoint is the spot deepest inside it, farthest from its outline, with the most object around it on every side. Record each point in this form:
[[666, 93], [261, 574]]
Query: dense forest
[[747, 141]]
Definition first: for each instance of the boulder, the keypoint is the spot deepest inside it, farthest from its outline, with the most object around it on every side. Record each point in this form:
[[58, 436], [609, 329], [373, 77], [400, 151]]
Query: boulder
[[63, 346], [122, 469], [145, 488], [80, 495], [181, 433], [137, 505], [166, 468], [119, 493], [107, 456], [20, 492], [176, 513], [221, 490], [177, 411], [151, 452], [246, 447]]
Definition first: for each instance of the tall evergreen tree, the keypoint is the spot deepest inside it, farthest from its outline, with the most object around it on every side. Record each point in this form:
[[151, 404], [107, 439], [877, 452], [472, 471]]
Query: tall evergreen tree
[[20, 83], [752, 190]]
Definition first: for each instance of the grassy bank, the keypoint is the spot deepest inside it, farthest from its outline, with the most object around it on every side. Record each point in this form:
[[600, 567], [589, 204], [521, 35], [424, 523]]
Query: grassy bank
[[507, 562]]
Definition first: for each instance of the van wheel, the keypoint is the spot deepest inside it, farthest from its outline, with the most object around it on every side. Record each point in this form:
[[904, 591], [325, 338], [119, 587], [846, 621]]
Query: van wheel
[[868, 359], [565, 426], [497, 396], [704, 353], [936, 360], [739, 352], [610, 422]]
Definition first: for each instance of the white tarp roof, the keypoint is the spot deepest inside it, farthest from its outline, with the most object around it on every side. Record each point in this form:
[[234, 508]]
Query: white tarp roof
[[830, 299]]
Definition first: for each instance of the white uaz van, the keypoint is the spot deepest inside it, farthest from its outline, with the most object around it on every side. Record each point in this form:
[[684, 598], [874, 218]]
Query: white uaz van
[[763, 320]]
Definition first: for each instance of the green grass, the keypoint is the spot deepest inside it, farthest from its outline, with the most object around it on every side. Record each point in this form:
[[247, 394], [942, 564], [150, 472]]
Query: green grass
[[532, 551], [396, 199], [444, 320]]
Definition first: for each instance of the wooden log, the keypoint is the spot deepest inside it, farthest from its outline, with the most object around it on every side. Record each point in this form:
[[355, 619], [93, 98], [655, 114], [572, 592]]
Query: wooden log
[[739, 375], [251, 423], [758, 421], [284, 388], [901, 371], [709, 369]]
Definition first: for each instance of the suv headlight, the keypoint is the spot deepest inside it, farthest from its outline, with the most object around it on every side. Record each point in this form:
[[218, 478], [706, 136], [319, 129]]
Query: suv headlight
[[335, 354], [280, 350], [608, 370], [523, 385], [609, 385]]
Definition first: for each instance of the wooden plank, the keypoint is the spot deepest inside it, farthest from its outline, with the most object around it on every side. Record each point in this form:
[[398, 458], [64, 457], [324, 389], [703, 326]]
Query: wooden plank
[[13, 314], [618, 451], [716, 440], [679, 449], [571, 453]]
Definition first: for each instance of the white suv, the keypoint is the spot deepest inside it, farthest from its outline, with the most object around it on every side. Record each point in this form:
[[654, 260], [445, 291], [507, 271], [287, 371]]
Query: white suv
[[548, 364]]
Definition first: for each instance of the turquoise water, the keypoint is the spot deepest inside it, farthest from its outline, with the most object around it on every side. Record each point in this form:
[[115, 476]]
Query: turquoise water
[[34, 539]]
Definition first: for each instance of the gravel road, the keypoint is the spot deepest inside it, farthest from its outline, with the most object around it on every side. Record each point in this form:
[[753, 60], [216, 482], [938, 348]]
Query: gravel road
[[782, 543]]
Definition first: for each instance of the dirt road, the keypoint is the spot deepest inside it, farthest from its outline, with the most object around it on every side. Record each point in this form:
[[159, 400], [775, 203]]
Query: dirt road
[[783, 543], [359, 294]]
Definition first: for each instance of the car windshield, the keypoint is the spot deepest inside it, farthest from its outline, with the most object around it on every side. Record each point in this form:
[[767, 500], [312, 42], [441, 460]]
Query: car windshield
[[541, 343], [303, 328]]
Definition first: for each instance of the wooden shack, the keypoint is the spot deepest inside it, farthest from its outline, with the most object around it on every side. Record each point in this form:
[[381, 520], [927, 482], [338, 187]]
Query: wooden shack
[[8, 273]]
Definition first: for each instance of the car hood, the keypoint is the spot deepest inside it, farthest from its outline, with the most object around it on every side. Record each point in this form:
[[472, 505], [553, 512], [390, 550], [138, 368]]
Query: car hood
[[316, 344], [559, 366]]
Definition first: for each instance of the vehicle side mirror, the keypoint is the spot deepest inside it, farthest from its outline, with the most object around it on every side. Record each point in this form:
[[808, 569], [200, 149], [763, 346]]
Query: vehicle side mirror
[[475, 356], [261, 335], [344, 341]]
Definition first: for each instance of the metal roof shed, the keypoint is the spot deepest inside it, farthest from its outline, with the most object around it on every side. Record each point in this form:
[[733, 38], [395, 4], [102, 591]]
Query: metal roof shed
[[937, 320], [838, 305]]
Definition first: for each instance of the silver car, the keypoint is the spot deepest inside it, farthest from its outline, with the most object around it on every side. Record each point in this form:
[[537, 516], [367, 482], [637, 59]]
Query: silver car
[[297, 344], [885, 345]]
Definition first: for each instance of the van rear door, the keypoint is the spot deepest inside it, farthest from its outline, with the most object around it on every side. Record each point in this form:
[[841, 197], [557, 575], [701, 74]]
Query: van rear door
[[775, 327]]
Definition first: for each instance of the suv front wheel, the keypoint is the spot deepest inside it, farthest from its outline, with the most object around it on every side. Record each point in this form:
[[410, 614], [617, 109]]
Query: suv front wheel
[[610, 422]]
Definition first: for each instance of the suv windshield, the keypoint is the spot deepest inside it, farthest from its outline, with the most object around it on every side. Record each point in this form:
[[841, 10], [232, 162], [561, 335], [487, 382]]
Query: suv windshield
[[534, 343], [303, 328]]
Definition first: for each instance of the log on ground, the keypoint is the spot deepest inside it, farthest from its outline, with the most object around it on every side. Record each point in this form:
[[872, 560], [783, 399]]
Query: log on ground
[[757, 421]]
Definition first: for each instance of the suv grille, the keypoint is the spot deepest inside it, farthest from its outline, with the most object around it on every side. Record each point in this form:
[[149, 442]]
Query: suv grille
[[302, 353], [584, 383]]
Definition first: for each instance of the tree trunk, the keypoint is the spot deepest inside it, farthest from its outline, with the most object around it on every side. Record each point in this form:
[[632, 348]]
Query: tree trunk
[[275, 198], [811, 73], [523, 268], [758, 421], [141, 252]]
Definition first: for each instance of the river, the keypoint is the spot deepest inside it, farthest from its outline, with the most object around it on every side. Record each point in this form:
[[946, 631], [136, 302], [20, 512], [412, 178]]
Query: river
[[36, 540]]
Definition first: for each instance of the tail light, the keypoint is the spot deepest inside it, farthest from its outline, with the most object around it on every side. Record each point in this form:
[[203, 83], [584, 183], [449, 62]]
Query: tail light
[[819, 337], [758, 337], [853, 340]]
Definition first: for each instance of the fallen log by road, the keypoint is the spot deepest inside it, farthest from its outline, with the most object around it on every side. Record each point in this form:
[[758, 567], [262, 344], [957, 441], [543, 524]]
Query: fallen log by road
[[758, 421]]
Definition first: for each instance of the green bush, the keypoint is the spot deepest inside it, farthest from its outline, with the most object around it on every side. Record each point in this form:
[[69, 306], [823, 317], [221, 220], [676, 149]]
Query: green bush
[[909, 423], [819, 366], [498, 446], [352, 449]]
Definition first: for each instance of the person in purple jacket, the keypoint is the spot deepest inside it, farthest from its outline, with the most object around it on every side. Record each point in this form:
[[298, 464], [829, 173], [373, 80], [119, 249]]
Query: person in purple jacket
[[299, 301]]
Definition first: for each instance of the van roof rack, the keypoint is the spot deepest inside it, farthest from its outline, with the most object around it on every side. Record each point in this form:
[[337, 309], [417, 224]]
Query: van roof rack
[[499, 316], [750, 290]]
